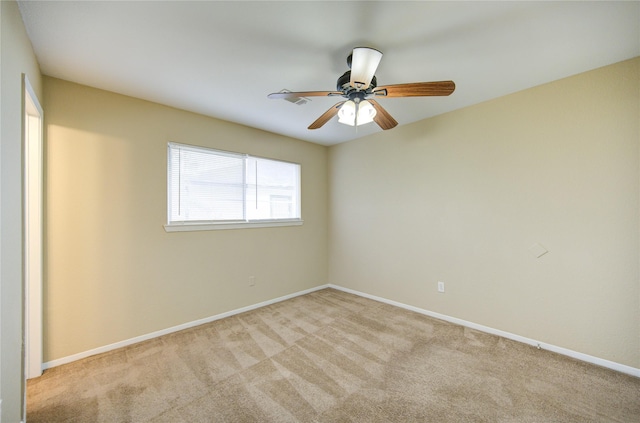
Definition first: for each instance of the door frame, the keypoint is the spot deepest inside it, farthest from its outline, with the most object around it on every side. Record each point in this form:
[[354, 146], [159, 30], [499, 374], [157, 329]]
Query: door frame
[[33, 204]]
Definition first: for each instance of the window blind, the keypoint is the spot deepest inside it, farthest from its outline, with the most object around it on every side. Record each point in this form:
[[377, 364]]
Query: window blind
[[206, 185]]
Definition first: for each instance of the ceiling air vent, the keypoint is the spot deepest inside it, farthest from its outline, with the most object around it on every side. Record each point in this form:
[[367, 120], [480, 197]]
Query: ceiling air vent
[[295, 100]]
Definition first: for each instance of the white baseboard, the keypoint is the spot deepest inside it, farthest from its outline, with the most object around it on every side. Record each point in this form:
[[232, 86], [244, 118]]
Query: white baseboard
[[131, 341], [560, 350]]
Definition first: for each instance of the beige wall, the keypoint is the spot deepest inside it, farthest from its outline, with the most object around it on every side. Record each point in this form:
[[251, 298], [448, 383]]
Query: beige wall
[[112, 272], [17, 58], [460, 198]]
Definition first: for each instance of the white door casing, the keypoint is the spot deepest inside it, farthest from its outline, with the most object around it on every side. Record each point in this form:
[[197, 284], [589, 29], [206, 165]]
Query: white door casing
[[33, 230]]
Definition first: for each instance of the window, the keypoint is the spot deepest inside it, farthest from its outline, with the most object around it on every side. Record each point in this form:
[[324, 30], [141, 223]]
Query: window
[[212, 189]]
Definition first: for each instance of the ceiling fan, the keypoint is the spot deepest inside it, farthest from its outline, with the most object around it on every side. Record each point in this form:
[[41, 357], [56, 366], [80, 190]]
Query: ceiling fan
[[359, 88]]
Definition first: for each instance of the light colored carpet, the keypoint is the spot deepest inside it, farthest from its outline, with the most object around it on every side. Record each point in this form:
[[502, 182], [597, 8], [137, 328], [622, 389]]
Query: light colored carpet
[[330, 356]]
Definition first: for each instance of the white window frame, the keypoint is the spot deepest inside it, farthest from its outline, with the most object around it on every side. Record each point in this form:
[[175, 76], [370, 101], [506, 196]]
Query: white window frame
[[207, 225]]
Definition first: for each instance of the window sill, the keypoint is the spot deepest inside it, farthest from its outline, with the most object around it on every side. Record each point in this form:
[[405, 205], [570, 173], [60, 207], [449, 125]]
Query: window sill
[[188, 227]]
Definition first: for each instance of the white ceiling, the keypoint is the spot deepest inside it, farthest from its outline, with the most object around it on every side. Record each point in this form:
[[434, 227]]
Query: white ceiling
[[221, 59]]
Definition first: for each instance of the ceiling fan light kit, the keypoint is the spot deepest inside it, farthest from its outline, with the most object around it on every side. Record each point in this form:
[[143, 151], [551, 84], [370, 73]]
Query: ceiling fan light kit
[[355, 114], [359, 84]]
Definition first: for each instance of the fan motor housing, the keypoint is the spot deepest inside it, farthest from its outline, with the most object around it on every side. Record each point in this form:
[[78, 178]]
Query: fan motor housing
[[344, 82]]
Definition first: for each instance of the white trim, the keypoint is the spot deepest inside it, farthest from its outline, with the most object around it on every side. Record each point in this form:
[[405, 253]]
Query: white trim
[[32, 197], [131, 341], [622, 368], [188, 226]]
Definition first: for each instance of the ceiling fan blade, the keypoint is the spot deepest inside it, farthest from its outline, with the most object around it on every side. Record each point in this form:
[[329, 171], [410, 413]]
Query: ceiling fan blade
[[364, 62], [382, 117], [304, 94], [326, 116], [416, 89]]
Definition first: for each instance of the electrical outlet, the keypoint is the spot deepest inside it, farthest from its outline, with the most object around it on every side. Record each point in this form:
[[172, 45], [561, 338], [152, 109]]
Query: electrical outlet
[[440, 286], [252, 280]]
